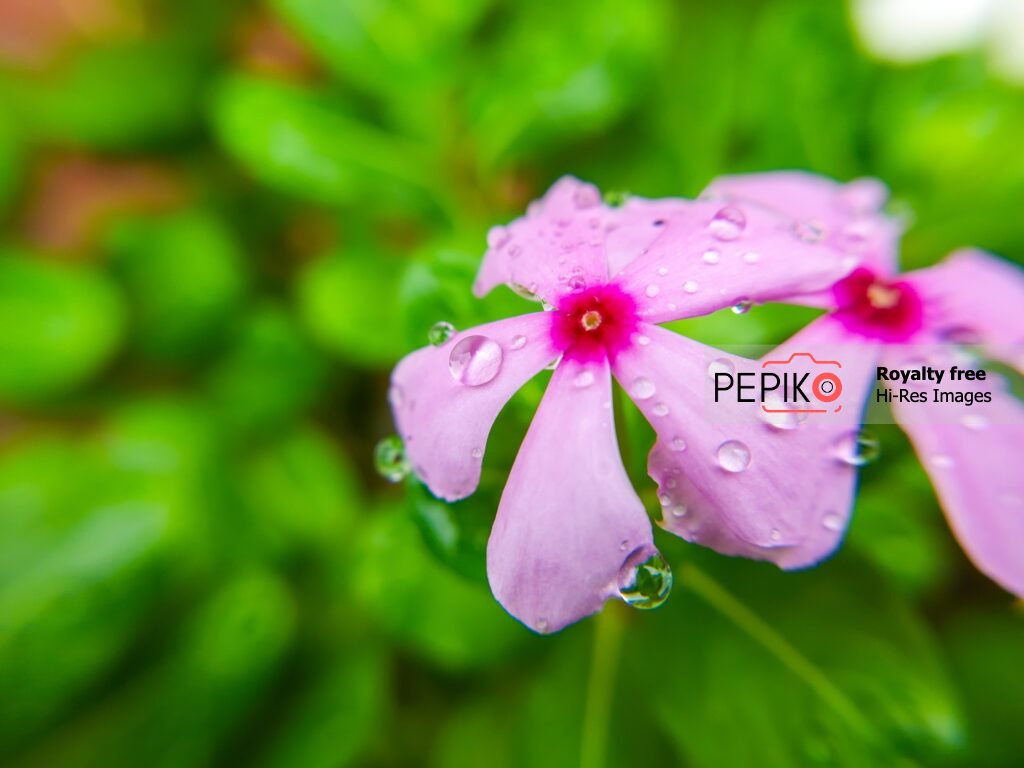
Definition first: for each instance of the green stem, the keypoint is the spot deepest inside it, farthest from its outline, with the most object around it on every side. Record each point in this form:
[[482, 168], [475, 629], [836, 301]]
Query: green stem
[[604, 665], [715, 595]]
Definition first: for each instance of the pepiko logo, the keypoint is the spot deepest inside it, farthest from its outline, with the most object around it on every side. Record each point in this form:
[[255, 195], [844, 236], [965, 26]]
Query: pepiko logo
[[787, 385]]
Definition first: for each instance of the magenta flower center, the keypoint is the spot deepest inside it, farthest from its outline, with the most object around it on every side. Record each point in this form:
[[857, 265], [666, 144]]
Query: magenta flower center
[[594, 323], [878, 308]]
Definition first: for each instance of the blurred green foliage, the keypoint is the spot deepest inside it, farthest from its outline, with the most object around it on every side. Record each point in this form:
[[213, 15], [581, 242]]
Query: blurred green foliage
[[223, 223]]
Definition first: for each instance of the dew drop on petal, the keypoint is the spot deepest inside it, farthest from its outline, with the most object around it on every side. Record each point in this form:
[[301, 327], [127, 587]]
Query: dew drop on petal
[[660, 410], [518, 342], [497, 237], [645, 585], [677, 511], [721, 365], [974, 421], [832, 521], [642, 389], [523, 292], [775, 534], [678, 444], [742, 306], [475, 360], [808, 231], [751, 257], [857, 448], [439, 333], [390, 460], [577, 284], [642, 340], [542, 625], [728, 223], [652, 290], [476, 453], [781, 415], [733, 456], [690, 286], [586, 197], [711, 256], [583, 379], [941, 461], [662, 271], [664, 499]]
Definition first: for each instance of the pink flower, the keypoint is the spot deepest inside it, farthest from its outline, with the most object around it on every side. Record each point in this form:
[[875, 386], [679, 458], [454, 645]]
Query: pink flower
[[971, 297], [570, 530]]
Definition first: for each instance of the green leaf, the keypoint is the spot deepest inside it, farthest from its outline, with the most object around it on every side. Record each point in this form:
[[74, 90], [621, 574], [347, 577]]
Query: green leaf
[[58, 327]]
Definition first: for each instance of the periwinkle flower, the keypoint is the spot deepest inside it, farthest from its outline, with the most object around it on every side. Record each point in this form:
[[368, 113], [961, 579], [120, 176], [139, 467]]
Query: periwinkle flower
[[570, 530], [972, 452]]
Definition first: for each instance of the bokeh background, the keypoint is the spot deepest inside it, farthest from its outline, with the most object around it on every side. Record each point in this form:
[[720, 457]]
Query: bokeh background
[[222, 224]]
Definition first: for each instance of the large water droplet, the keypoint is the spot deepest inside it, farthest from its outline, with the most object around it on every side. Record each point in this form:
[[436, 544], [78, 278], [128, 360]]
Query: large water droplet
[[733, 456], [642, 389], [390, 460], [782, 415], [711, 256], [832, 521], [678, 510], [439, 333], [728, 223], [646, 585], [524, 292], [475, 360], [721, 365], [742, 306], [857, 448]]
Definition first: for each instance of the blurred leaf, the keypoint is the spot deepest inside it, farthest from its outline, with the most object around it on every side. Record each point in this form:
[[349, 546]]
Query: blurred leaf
[[247, 385], [185, 275], [855, 679], [58, 327], [349, 304], [452, 623]]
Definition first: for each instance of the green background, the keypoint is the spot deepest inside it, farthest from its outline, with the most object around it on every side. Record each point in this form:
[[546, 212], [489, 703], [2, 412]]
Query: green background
[[224, 222]]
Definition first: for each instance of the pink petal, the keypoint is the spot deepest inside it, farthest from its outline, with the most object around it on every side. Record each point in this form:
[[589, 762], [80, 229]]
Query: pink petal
[[443, 422], [715, 255], [569, 517], [790, 502], [976, 298], [636, 225], [972, 454], [846, 217], [559, 241]]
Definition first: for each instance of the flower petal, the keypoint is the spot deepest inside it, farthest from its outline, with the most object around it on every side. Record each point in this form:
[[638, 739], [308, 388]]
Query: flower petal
[[560, 239], [974, 297], [444, 422], [717, 254], [635, 226], [974, 464], [846, 217], [569, 517], [726, 478]]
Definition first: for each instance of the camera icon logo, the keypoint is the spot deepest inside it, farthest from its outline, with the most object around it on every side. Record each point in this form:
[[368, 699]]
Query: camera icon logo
[[826, 386]]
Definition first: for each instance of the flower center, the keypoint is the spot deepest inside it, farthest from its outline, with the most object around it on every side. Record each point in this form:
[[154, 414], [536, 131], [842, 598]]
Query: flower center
[[877, 308], [593, 324]]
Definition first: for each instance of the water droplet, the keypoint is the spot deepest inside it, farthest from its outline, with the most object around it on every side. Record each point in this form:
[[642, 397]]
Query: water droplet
[[476, 453], [518, 342], [664, 499], [642, 340], [857, 448], [711, 256], [751, 257], [678, 444], [728, 223], [733, 456], [475, 360], [615, 198], [742, 306], [586, 196], [832, 521], [808, 231], [642, 389], [523, 292], [942, 461], [783, 417], [583, 379], [690, 286], [646, 585], [721, 365], [662, 271], [775, 534], [679, 510], [439, 333], [577, 284], [974, 421], [542, 625], [652, 290], [660, 410], [390, 460]]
